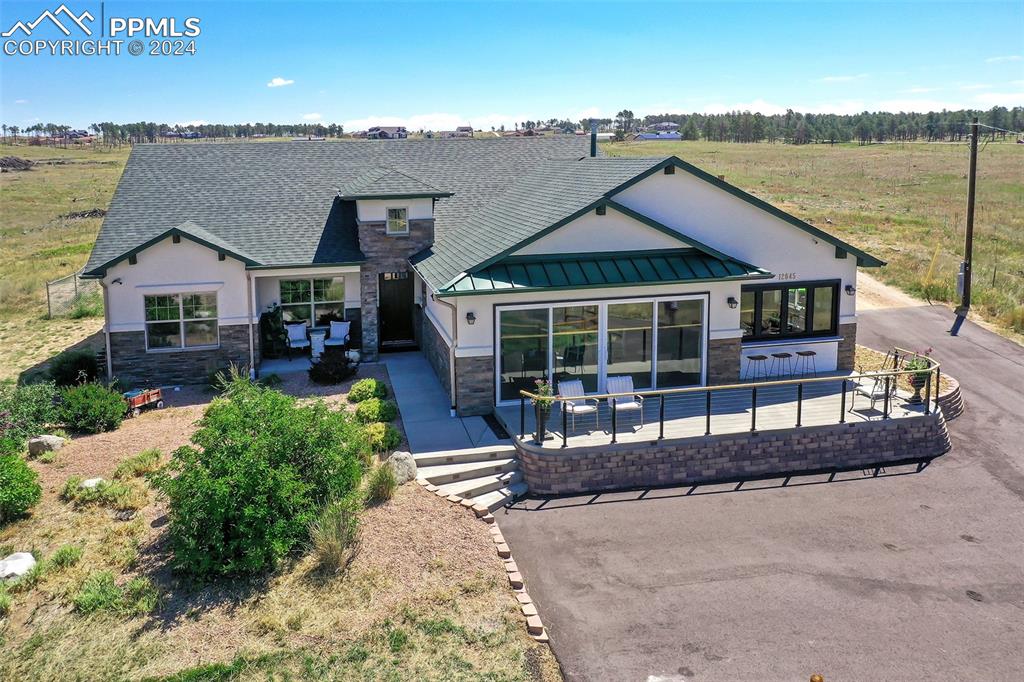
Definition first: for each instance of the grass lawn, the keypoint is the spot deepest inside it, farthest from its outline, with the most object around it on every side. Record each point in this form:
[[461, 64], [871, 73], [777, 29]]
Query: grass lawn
[[425, 597], [905, 203]]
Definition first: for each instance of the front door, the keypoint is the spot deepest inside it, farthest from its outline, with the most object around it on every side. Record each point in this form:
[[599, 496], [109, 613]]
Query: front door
[[396, 310]]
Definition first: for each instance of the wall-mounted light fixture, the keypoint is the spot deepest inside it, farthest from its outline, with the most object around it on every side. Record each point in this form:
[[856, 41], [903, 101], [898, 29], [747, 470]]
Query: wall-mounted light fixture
[[732, 302], [471, 317], [850, 290], [117, 281]]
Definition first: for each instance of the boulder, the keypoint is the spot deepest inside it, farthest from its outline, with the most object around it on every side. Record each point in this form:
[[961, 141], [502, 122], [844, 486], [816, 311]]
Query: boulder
[[16, 565], [90, 483], [404, 466], [41, 444]]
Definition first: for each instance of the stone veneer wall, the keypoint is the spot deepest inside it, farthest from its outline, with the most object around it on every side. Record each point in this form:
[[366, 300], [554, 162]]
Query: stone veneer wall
[[134, 366], [434, 347], [731, 457], [847, 347], [385, 253], [474, 385], [723, 361]]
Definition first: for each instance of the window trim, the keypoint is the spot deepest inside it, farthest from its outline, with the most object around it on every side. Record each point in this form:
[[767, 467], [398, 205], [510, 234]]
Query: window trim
[[387, 221], [810, 286], [181, 322], [312, 303]]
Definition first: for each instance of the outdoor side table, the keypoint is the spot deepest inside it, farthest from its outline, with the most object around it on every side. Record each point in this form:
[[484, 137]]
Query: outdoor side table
[[316, 339]]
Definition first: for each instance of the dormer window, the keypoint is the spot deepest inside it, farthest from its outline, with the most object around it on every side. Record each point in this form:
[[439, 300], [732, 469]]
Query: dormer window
[[398, 221]]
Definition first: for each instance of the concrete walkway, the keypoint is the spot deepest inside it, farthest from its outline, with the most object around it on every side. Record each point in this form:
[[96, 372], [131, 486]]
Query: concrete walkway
[[424, 405]]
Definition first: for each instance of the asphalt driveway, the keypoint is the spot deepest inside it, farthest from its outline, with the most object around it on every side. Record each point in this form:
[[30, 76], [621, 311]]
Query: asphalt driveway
[[905, 576]]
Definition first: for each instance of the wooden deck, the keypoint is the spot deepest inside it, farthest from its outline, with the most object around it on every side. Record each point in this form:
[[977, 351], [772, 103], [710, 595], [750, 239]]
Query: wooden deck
[[685, 415]]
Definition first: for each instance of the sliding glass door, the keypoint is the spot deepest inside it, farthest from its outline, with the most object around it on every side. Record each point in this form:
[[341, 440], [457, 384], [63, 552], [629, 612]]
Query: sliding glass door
[[659, 342]]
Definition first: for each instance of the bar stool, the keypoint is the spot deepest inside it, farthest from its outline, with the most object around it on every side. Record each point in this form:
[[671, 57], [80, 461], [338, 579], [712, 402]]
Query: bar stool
[[755, 367], [805, 362], [784, 360]]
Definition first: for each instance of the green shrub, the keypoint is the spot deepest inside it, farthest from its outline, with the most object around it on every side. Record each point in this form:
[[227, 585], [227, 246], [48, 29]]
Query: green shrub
[[260, 468], [364, 389], [333, 367], [87, 305], [376, 410], [19, 487], [25, 411], [100, 592], [65, 556], [112, 494], [382, 437], [335, 533], [382, 484], [92, 408], [146, 462], [74, 367]]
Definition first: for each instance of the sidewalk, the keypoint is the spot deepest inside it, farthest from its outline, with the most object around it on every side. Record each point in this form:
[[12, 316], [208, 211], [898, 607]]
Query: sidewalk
[[424, 405]]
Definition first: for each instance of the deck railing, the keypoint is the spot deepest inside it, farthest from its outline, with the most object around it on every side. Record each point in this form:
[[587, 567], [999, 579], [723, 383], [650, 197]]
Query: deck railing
[[889, 379]]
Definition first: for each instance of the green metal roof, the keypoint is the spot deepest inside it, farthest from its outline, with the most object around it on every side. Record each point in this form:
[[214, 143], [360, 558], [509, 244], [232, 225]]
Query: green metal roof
[[585, 270]]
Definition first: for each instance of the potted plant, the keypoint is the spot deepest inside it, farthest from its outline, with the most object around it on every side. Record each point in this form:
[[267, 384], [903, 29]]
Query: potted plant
[[544, 397], [921, 367]]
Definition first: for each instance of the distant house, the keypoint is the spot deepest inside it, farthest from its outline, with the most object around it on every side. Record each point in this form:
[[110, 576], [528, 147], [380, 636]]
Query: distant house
[[665, 126], [657, 136], [387, 133], [464, 131]]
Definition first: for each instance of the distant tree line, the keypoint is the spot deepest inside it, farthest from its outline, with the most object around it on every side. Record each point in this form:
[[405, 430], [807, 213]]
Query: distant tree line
[[146, 131]]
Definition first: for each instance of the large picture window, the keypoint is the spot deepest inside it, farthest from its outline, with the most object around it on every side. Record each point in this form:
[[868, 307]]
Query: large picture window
[[795, 310], [176, 321], [313, 301]]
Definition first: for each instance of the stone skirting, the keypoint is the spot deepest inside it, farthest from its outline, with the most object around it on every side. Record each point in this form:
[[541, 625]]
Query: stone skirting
[[474, 385], [437, 352], [723, 361], [847, 350], [134, 366], [732, 457]]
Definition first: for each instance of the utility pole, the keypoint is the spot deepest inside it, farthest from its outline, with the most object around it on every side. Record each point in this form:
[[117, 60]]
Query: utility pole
[[965, 267]]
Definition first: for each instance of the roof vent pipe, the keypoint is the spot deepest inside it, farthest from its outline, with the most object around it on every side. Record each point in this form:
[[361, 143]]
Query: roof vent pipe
[[593, 138]]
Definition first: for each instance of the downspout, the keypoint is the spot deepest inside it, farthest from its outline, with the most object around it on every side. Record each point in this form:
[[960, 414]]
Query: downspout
[[451, 351], [249, 295], [106, 330]]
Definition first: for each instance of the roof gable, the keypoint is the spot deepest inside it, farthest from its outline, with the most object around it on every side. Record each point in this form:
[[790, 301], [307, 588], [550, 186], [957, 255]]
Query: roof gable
[[388, 183]]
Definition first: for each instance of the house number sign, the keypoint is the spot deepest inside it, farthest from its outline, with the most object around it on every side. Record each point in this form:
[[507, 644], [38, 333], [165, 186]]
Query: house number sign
[[787, 275]]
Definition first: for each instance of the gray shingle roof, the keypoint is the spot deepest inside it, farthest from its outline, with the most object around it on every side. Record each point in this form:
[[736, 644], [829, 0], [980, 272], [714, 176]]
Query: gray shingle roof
[[275, 201], [388, 183]]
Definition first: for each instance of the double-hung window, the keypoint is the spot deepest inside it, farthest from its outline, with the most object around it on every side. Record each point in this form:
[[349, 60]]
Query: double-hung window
[[398, 221], [176, 321], [315, 301], [795, 310]]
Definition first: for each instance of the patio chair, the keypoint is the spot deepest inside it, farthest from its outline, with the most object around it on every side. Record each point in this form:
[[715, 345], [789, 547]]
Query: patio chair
[[873, 389], [624, 384], [296, 337], [339, 335], [573, 388]]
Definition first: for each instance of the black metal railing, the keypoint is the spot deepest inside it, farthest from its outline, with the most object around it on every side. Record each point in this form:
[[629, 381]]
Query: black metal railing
[[887, 378]]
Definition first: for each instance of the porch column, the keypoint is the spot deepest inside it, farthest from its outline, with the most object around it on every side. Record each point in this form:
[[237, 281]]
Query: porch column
[[368, 311]]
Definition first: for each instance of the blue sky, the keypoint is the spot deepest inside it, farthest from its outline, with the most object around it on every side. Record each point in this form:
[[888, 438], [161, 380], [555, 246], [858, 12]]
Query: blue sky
[[437, 65]]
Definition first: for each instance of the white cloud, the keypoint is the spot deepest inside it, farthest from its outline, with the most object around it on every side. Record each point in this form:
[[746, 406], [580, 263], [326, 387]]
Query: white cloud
[[21, 101], [312, 117], [853, 106], [277, 82], [440, 121], [975, 86], [1004, 58], [1017, 84], [185, 124], [913, 104], [919, 90], [842, 79], [1000, 99]]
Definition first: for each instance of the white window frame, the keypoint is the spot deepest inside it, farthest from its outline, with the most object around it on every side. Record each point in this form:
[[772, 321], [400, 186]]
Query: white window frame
[[182, 348], [312, 303], [602, 335], [387, 221]]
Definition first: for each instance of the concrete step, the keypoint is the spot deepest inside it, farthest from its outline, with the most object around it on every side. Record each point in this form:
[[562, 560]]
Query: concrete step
[[474, 487], [449, 473], [480, 454], [497, 499]]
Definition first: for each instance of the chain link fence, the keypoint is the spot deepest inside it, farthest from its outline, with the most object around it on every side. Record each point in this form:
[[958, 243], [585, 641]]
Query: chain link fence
[[73, 296]]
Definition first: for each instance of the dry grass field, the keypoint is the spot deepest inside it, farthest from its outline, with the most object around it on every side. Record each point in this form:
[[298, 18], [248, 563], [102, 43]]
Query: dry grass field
[[905, 203]]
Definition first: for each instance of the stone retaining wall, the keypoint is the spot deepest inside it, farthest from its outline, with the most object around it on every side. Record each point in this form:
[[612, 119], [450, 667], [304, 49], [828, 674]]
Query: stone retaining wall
[[951, 401], [731, 457], [134, 366]]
